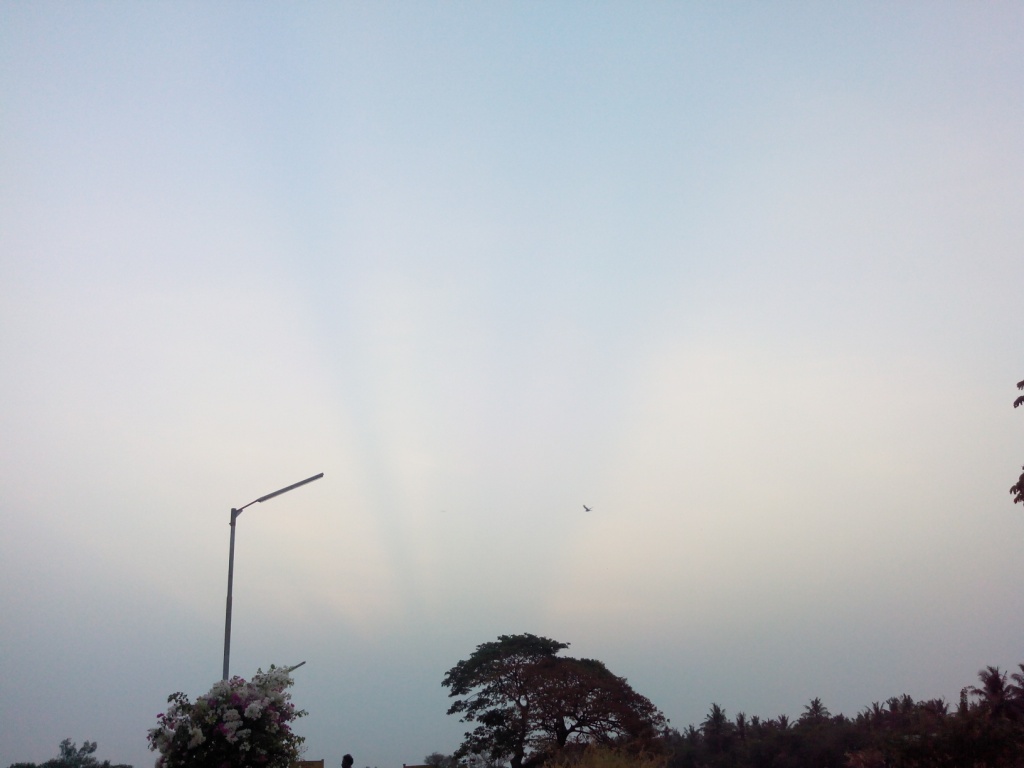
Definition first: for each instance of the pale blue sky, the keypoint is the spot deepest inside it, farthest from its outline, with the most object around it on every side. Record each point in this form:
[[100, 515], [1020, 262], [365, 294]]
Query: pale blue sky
[[744, 278]]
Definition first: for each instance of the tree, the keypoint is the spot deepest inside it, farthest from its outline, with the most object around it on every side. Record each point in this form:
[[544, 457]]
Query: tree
[[73, 756], [529, 703], [717, 730], [238, 724], [439, 760], [1016, 693], [815, 713], [70, 755], [1017, 489], [996, 697]]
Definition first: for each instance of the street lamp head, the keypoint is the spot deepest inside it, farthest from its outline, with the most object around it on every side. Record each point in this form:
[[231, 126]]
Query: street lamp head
[[291, 487]]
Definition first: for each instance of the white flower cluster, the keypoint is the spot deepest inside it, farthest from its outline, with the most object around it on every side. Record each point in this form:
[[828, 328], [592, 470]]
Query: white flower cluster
[[234, 719]]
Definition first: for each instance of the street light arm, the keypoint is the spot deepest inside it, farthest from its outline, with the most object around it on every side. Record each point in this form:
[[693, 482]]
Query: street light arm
[[292, 487]]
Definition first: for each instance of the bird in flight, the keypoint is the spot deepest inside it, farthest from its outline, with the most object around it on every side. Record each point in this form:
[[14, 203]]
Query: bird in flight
[[586, 508]]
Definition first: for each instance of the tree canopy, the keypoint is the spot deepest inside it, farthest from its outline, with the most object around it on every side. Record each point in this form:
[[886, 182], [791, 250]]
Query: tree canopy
[[238, 724], [529, 703], [1017, 489], [984, 730], [73, 756]]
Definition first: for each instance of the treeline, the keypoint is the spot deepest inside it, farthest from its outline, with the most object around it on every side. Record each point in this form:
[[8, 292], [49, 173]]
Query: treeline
[[73, 756], [984, 730]]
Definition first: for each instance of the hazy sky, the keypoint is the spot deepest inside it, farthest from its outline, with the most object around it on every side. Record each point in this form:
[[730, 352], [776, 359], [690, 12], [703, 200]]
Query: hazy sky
[[743, 277]]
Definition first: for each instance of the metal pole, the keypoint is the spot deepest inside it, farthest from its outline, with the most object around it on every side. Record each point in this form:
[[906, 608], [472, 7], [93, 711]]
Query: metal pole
[[231, 560], [231, 575]]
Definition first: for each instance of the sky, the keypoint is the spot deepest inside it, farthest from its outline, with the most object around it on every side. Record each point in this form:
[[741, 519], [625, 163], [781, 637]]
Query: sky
[[743, 278]]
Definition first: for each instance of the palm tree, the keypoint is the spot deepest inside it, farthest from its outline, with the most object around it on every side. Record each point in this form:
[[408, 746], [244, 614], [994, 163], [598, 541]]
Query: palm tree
[[874, 716], [1017, 489], [996, 697], [935, 707], [1016, 690], [741, 725], [815, 713], [692, 735], [716, 728]]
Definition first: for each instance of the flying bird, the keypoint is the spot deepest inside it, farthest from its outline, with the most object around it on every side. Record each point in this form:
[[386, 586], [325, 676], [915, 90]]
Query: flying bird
[[586, 508]]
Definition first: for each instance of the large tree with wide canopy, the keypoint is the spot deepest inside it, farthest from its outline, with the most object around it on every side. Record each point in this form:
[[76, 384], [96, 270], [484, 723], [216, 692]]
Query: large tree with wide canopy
[[529, 703]]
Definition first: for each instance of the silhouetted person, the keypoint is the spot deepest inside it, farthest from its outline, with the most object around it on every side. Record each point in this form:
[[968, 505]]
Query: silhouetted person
[[346, 761]]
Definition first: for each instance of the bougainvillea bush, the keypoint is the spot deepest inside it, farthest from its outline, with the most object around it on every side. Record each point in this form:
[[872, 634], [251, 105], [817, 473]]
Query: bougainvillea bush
[[238, 724]]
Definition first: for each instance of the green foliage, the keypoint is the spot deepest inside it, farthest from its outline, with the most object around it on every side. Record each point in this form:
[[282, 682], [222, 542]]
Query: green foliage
[[1017, 489], [438, 760], [985, 731], [70, 755], [530, 704], [605, 757]]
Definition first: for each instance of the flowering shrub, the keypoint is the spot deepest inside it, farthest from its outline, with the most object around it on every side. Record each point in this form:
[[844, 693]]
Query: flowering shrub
[[238, 724]]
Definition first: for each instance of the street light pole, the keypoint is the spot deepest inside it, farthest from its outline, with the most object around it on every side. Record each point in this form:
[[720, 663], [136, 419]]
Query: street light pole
[[231, 559]]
